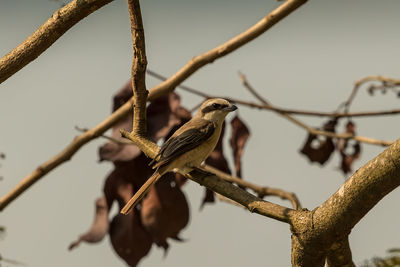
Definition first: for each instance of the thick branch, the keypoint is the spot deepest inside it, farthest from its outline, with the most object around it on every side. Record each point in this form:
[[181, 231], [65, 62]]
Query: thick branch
[[139, 64], [60, 22], [367, 186], [339, 254], [316, 233], [165, 87]]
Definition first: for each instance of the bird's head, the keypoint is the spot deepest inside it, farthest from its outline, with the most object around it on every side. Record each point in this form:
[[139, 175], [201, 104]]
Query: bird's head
[[215, 109]]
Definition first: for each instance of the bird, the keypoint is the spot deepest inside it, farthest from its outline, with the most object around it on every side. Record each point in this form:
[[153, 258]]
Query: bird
[[189, 146]]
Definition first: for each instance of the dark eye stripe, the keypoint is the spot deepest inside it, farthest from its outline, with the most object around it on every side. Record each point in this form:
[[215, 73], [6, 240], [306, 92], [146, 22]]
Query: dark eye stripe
[[214, 106]]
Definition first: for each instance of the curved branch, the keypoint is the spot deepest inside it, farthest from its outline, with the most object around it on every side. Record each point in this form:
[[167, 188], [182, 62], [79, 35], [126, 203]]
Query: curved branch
[[249, 201], [124, 110], [260, 190], [60, 22], [361, 192]]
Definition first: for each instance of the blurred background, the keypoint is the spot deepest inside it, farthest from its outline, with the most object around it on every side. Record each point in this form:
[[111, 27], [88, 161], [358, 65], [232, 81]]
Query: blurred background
[[309, 60]]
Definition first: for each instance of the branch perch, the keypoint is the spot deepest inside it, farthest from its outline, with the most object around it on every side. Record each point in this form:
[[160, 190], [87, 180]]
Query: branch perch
[[261, 191], [33, 46]]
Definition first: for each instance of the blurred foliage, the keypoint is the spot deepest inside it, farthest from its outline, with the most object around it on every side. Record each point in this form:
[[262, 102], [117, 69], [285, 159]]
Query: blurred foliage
[[391, 260]]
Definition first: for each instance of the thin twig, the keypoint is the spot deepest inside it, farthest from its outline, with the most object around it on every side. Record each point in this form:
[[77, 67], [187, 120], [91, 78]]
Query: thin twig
[[252, 91], [277, 109], [359, 83], [259, 190], [112, 139], [314, 131], [149, 147], [60, 22]]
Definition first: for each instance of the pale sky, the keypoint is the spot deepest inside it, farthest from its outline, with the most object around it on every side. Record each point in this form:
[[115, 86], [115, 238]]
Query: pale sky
[[309, 60]]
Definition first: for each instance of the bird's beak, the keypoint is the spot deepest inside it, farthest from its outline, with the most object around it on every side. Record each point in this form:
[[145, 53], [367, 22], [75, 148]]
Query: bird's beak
[[231, 108]]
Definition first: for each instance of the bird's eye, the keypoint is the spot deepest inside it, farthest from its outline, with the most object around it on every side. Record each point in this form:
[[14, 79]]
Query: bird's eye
[[216, 106]]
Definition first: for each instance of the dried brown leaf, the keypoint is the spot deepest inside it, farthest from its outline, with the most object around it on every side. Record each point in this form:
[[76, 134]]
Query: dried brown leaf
[[240, 134], [99, 227], [128, 237], [318, 148], [165, 211], [349, 150], [133, 172]]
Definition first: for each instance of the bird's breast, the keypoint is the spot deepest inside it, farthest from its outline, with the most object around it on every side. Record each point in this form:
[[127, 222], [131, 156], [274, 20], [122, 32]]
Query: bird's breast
[[198, 154]]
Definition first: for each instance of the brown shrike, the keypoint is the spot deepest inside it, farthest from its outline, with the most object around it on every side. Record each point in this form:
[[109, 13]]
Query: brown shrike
[[189, 146]]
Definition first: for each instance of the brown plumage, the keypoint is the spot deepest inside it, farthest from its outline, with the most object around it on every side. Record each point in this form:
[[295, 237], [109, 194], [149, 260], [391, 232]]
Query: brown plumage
[[189, 146]]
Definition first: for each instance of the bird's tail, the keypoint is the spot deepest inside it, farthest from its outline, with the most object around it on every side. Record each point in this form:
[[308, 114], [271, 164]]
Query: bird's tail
[[140, 193]]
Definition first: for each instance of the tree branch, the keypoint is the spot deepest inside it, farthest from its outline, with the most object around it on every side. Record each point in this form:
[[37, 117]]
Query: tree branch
[[259, 190], [359, 83], [249, 201], [148, 147], [112, 139], [339, 254], [278, 109], [309, 129], [60, 22], [315, 232], [361, 192], [139, 64]]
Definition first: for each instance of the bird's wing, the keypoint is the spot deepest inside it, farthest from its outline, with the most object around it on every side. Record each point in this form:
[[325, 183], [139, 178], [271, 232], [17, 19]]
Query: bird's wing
[[189, 136]]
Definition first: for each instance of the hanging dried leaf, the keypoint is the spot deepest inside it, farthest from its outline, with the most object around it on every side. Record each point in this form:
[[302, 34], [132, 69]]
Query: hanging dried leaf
[[240, 134], [163, 114], [350, 150], [99, 227], [319, 148], [128, 237], [134, 172], [165, 211]]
